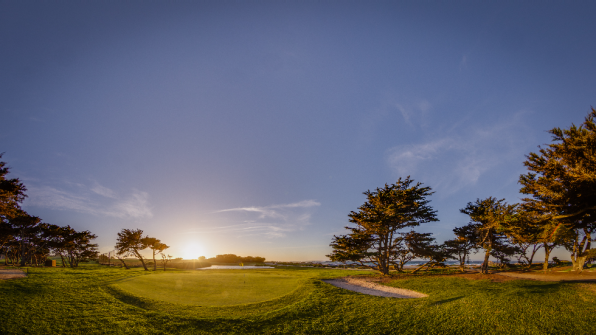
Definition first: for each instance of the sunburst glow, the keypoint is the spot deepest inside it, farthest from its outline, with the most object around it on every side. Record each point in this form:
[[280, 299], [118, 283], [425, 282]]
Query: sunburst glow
[[192, 251]]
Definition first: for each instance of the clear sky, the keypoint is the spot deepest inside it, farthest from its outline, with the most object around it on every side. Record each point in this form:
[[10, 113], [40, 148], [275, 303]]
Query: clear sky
[[253, 127]]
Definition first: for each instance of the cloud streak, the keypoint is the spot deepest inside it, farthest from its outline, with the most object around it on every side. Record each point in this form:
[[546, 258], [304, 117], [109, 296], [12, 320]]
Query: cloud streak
[[135, 205], [271, 221], [273, 211]]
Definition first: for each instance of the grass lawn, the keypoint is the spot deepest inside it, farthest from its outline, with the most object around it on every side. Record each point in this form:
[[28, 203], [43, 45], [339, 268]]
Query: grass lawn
[[212, 287], [97, 300]]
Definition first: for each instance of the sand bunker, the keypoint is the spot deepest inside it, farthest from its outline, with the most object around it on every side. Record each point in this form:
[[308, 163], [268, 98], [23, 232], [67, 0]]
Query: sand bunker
[[12, 274], [366, 287]]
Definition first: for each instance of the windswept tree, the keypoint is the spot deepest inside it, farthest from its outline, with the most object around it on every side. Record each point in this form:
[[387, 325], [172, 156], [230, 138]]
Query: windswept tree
[[578, 242], [79, 247], [131, 242], [527, 235], [12, 193], [503, 251], [422, 246], [156, 247], [465, 242], [375, 239], [561, 183], [26, 227], [491, 216], [403, 252], [24, 239]]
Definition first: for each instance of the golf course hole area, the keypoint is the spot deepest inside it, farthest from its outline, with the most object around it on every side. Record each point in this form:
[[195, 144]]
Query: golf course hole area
[[211, 288]]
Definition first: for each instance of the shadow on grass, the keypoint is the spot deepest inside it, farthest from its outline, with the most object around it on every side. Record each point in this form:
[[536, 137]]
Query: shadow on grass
[[444, 301], [191, 312], [130, 299]]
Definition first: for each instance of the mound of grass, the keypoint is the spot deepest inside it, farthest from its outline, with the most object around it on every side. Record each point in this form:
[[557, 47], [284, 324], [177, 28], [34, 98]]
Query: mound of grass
[[212, 288]]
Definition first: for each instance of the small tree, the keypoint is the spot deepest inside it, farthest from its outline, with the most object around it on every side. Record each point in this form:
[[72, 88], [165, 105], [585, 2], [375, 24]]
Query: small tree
[[422, 246], [375, 239], [466, 241], [131, 242], [160, 248], [502, 251], [156, 247], [403, 254], [26, 228], [491, 216], [165, 259]]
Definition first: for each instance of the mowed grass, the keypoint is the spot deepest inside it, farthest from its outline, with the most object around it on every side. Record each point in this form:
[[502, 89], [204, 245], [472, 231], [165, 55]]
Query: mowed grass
[[88, 300], [212, 287]]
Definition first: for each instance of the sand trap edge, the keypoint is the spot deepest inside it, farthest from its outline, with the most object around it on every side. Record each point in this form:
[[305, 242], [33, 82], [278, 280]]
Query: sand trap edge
[[365, 287]]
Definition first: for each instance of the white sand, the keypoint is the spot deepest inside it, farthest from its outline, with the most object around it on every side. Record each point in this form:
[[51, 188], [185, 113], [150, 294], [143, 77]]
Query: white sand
[[366, 287], [12, 274]]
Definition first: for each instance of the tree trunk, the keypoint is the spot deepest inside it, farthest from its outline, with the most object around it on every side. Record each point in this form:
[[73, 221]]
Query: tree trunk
[[462, 264], [546, 257], [420, 267], [124, 263], [154, 263], [578, 263], [22, 252], [62, 258], [142, 261], [534, 249], [484, 268]]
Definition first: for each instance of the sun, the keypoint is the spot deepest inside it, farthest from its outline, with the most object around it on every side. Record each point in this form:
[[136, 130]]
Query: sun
[[192, 251]]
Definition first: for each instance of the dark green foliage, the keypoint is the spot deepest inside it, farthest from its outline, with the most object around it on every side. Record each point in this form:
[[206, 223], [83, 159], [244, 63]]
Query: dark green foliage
[[491, 218], [24, 239], [466, 242], [376, 238], [561, 185], [131, 242], [12, 193]]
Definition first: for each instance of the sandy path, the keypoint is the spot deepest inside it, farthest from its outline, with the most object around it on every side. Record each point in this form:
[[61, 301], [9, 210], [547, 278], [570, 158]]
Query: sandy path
[[551, 276], [12, 274], [366, 287]]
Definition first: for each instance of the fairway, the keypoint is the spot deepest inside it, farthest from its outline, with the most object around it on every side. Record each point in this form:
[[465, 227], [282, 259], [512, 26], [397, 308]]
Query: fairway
[[212, 288]]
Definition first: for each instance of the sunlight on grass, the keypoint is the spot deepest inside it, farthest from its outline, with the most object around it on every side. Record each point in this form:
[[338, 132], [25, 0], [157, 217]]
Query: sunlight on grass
[[212, 288]]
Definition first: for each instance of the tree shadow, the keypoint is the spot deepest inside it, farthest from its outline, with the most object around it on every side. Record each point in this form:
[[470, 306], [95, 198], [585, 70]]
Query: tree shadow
[[444, 301]]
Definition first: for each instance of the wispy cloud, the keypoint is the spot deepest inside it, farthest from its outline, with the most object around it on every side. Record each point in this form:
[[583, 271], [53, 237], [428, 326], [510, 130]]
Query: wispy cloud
[[82, 199], [416, 110], [104, 191], [455, 161], [273, 211], [271, 221]]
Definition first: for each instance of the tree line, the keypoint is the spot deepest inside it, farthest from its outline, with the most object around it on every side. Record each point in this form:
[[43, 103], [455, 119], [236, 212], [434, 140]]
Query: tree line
[[558, 210], [232, 258], [25, 239]]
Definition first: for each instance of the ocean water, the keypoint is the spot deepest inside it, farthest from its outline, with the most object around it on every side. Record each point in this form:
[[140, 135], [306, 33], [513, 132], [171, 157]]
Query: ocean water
[[409, 263]]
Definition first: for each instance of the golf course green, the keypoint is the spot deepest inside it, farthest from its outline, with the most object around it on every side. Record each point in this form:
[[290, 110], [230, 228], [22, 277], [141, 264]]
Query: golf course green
[[94, 299], [213, 287]]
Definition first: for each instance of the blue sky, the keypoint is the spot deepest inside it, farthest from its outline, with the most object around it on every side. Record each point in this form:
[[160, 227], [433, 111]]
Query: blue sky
[[254, 127]]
